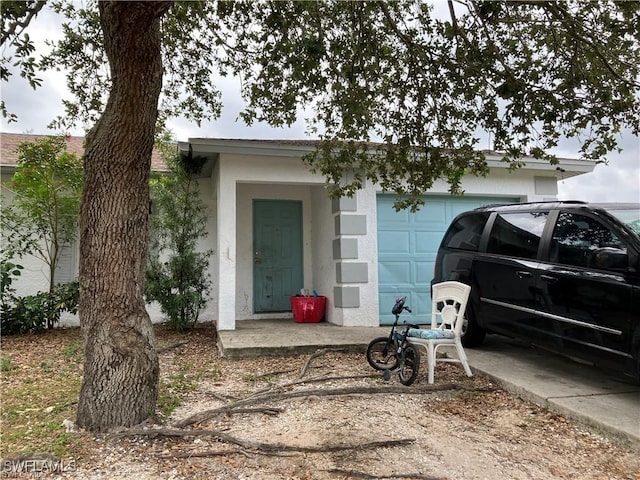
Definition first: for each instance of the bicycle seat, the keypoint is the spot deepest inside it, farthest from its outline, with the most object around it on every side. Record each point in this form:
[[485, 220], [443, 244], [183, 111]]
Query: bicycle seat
[[399, 305]]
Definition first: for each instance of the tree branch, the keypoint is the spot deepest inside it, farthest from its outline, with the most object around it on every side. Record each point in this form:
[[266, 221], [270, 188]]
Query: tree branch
[[316, 354], [13, 27], [393, 389], [561, 14], [263, 446], [366, 476]]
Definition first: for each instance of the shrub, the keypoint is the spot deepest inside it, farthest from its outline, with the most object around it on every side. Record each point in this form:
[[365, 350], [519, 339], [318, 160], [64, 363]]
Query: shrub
[[177, 276], [32, 313], [8, 272]]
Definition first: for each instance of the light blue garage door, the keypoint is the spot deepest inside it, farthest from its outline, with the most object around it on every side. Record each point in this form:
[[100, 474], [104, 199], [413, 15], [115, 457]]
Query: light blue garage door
[[407, 247]]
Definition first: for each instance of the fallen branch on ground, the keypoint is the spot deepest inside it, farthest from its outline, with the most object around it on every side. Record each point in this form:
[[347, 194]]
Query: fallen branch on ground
[[222, 398], [265, 410], [220, 453], [272, 374], [316, 354], [318, 379], [356, 390], [366, 476], [268, 447]]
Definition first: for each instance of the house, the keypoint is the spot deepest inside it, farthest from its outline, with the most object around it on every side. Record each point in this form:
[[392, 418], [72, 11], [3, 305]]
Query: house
[[35, 275], [275, 231]]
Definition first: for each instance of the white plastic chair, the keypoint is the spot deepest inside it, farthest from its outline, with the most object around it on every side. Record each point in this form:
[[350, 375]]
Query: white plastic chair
[[449, 301]]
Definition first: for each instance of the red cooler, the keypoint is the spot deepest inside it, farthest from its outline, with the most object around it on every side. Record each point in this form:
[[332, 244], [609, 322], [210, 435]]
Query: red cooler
[[308, 309]]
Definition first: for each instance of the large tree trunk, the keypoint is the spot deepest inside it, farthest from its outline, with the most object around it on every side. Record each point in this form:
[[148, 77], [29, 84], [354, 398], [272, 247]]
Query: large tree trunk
[[120, 383]]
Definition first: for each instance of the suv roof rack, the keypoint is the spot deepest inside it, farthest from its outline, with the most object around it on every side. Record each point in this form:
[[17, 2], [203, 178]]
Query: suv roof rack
[[546, 202]]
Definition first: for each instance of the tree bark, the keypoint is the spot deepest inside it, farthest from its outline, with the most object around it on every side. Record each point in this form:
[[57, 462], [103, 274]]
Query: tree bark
[[120, 384]]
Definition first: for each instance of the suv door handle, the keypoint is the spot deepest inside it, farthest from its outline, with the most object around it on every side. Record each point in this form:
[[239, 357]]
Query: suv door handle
[[524, 274], [548, 279]]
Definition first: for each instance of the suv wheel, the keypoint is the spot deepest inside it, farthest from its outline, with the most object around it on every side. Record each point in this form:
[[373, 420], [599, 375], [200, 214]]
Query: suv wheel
[[472, 333]]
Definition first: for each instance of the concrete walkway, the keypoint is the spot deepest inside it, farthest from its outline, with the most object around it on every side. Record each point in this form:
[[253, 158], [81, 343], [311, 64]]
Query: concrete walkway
[[572, 389]]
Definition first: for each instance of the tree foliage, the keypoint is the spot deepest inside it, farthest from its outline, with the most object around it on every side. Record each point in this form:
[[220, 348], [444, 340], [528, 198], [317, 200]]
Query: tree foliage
[[400, 93], [43, 215], [177, 273], [526, 73], [16, 16]]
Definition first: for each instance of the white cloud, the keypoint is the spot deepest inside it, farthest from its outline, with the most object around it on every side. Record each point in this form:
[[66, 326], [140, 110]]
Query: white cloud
[[616, 181], [230, 125]]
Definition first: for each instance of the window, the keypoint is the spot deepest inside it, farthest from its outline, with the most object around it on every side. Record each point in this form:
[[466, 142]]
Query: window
[[465, 233], [628, 216], [517, 234], [582, 241], [66, 267]]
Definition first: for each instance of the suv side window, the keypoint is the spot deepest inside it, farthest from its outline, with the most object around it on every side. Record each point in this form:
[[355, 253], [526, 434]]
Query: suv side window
[[582, 241], [517, 234], [465, 233]]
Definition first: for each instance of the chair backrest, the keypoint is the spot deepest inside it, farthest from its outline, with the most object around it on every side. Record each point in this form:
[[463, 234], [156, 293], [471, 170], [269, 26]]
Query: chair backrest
[[449, 301]]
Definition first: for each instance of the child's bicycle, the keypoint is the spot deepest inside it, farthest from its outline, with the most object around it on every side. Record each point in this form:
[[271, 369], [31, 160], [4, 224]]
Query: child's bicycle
[[394, 353]]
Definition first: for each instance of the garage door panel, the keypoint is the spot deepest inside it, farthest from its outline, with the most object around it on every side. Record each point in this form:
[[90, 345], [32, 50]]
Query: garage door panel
[[421, 306], [395, 273], [387, 300], [390, 217], [423, 273], [427, 242], [462, 205], [433, 213], [394, 241]]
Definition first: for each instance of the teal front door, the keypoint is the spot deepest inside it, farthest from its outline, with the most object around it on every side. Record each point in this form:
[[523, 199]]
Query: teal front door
[[277, 254]]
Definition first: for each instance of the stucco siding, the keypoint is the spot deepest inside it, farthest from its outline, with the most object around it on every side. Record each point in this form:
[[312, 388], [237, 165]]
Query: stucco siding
[[240, 180], [340, 238], [499, 182], [324, 267], [246, 193], [367, 313]]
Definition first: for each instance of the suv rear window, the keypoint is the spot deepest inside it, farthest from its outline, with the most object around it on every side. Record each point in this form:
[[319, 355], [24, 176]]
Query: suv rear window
[[517, 234], [465, 233]]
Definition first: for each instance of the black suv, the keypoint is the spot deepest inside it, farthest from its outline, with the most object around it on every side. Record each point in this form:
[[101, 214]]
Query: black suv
[[563, 275]]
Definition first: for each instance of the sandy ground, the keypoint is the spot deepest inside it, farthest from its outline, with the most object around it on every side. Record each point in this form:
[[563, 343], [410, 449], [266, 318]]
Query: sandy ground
[[466, 428]]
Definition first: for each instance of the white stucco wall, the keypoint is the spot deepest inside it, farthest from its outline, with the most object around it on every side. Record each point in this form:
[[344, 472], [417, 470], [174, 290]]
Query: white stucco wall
[[240, 179], [208, 196], [237, 179], [246, 193], [500, 182], [35, 275], [322, 235], [367, 314]]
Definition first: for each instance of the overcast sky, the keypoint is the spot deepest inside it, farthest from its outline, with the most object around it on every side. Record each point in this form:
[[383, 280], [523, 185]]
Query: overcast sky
[[618, 181]]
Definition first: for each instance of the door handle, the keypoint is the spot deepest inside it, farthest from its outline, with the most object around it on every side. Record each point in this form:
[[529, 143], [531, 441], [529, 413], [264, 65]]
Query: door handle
[[548, 279], [524, 274]]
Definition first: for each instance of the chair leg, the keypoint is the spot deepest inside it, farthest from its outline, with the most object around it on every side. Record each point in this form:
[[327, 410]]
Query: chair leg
[[431, 359], [463, 359]]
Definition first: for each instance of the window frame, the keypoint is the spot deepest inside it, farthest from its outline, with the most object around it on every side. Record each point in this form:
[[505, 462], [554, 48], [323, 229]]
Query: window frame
[[484, 217], [599, 219], [489, 228]]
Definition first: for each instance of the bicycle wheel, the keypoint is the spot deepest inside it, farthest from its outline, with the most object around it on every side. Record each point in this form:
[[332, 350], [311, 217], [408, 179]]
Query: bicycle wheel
[[409, 365], [381, 354]]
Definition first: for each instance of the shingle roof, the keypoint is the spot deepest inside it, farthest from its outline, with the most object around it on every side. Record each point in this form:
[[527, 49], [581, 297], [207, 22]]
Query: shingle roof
[[9, 143]]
